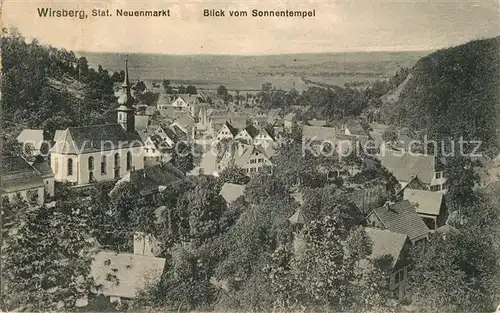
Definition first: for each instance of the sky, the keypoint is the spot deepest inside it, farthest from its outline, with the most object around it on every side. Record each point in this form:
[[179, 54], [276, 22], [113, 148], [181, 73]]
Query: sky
[[339, 26]]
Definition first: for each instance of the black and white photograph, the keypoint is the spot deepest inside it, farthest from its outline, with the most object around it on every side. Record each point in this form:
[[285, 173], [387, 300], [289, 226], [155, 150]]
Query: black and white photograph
[[250, 156]]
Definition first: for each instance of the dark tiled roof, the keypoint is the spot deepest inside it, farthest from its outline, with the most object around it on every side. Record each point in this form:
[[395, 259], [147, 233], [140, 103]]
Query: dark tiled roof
[[149, 179], [13, 165], [232, 129], [18, 174], [402, 217], [405, 166], [90, 138], [252, 131], [43, 168]]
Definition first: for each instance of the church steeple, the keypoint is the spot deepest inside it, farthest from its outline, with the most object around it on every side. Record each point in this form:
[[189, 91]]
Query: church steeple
[[125, 110]]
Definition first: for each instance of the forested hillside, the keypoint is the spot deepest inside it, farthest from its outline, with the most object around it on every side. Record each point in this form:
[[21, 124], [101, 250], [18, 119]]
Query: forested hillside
[[44, 87], [452, 93]]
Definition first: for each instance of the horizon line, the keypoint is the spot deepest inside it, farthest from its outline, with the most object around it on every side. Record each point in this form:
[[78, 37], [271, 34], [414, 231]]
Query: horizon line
[[266, 54]]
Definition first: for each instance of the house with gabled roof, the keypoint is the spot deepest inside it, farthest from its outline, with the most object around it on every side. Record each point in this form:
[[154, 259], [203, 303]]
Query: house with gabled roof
[[120, 276], [320, 138], [154, 179], [247, 134], [227, 132], [406, 165], [264, 138], [354, 128], [251, 159], [390, 250], [430, 206], [82, 155], [156, 150], [289, 119], [400, 217], [21, 180], [43, 167]]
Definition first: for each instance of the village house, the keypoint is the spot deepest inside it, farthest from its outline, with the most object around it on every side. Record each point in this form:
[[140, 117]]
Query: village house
[[289, 120], [227, 132], [156, 151], [247, 134], [82, 155], [354, 128], [405, 166], [400, 217], [47, 175], [396, 246], [152, 180], [248, 157], [328, 140], [120, 276], [188, 103], [21, 180], [430, 206]]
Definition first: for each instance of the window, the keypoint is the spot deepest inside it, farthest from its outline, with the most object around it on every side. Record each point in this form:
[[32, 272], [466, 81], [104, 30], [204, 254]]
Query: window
[[144, 159], [91, 163], [252, 170], [91, 176], [70, 167], [253, 161], [438, 175], [129, 161], [434, 188], [103, 165], [117, 160]]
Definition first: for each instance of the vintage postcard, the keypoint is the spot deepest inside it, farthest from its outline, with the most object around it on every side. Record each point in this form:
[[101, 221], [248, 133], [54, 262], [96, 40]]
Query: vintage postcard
[[250, 156]]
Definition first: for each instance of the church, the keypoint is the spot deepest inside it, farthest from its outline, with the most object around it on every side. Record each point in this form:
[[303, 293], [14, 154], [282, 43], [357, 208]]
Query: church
[[82, 155]]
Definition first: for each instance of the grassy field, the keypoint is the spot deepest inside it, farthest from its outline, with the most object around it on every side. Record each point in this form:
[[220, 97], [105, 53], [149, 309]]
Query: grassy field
[[250, 72]]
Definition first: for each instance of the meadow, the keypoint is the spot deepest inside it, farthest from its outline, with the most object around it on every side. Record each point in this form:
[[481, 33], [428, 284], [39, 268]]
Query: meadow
[[250, 72]]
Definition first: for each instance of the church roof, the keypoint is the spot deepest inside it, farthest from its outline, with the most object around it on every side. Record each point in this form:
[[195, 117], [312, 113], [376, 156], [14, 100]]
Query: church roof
[[96, 138]]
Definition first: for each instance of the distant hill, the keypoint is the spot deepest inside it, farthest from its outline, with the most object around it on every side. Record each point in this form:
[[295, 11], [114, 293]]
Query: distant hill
[[452, 92]]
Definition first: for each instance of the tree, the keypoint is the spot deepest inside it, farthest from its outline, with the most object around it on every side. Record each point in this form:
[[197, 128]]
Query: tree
[[202, 208], [456, 271], [389, 136], [310, 268], [184, 286], [182, 89], [461, 179], [140, 87], [222, 92], [166, 84], [191, 90], [45, 259], [233, 175], [182, 157]]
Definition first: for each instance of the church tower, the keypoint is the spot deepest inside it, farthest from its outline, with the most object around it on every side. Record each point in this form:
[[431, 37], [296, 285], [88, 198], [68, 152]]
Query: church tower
[[125, 110]]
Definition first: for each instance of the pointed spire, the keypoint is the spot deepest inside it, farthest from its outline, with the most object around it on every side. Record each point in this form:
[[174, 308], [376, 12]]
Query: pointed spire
[[126, 82]]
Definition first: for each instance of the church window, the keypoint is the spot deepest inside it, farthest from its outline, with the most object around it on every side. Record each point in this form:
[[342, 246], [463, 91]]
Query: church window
[[91, 163], [70, 167], [129, 161], [117, 160], [103, 165]]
